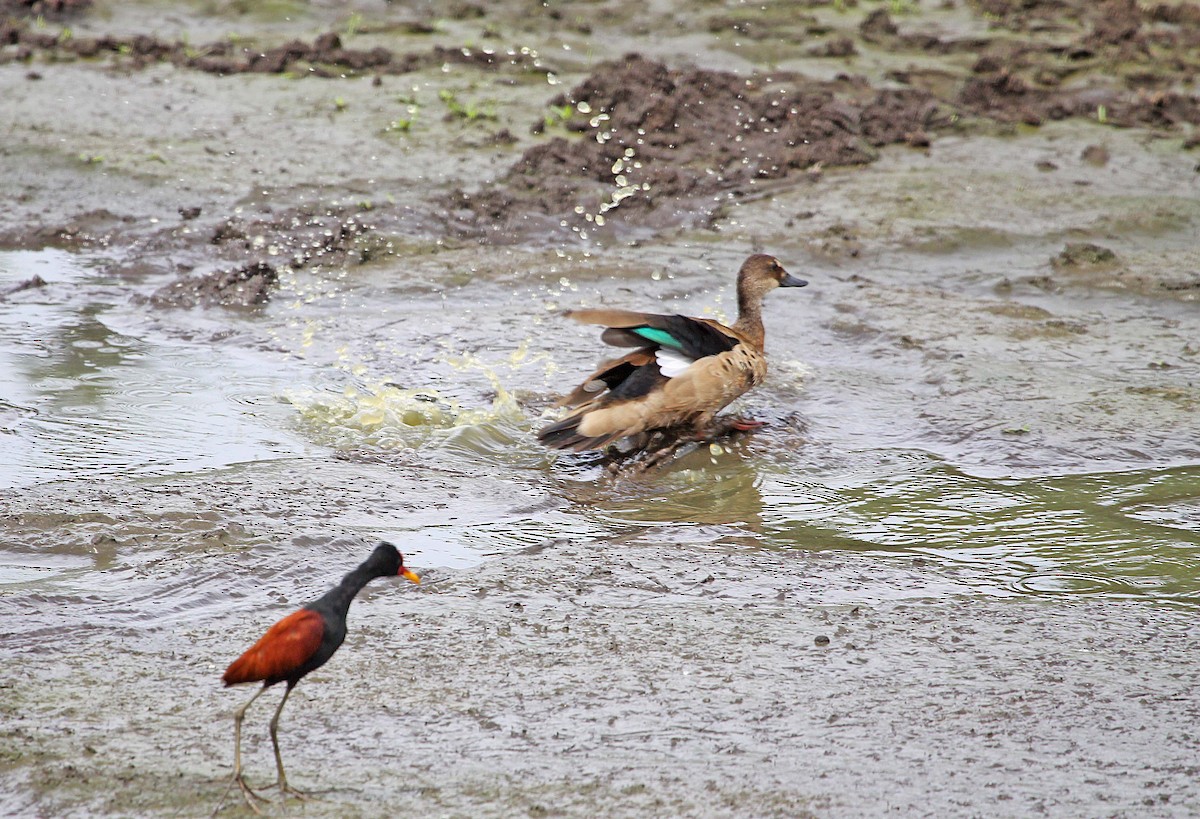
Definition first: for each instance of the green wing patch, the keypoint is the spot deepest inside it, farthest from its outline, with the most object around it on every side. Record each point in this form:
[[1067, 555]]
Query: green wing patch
[[659, 337]]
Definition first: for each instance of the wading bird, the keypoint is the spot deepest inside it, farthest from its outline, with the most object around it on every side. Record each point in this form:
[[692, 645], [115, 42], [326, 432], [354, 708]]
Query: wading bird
[[683, 372], [298, 644]]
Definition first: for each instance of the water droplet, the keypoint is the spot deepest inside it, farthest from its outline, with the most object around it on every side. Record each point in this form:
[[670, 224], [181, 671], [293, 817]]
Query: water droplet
[[583, 108]]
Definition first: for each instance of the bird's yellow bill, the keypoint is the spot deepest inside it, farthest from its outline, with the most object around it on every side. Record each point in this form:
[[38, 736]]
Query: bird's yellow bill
[[409, 574]]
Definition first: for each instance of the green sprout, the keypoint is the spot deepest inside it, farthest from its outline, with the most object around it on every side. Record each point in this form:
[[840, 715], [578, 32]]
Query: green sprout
[[558, 115], [404, 124], [470, 111]]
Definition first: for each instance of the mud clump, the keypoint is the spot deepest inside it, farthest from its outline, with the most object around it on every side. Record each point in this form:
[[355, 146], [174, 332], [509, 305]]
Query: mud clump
[[1104, 268], [1117, 62], [256, 252], [90, 229], [32, 283], [245, 286], [1096, 155], [837, 47], [1084, 256], [878, 26], [325, 56], [1163, 35], [662, 147], [1009, 97], [48, 8]]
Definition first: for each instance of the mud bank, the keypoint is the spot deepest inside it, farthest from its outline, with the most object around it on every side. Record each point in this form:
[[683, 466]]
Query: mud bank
[[636, 149], [629, 678]]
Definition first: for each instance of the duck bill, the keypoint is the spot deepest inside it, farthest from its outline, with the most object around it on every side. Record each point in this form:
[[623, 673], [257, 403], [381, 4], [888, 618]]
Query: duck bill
[[791, 281], [409, 574]]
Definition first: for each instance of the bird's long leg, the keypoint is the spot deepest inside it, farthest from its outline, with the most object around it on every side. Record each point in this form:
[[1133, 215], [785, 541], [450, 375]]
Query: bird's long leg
[[665, 444], [238, 776], [283, 785], [660, 455]]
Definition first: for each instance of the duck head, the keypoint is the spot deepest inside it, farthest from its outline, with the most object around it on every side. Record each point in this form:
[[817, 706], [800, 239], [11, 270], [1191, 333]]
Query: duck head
[[759, 275]]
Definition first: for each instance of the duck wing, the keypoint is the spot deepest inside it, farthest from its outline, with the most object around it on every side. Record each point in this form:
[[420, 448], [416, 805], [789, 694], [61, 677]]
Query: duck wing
[[610, 376], [692, 337], [663, 382]]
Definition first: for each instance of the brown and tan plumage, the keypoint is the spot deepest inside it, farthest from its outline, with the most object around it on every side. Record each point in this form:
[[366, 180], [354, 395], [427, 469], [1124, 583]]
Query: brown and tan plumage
[[681, 374]]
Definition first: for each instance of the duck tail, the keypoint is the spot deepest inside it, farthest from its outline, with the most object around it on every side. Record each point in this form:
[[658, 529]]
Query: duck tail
[[565, 434]]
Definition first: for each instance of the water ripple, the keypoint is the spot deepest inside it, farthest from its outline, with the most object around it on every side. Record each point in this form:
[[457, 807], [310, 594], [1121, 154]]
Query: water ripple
[[1080, 534]]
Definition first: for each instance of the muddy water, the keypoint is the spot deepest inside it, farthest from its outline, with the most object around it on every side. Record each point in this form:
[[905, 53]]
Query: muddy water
[[173, 476], [979, 483], [97, 391]]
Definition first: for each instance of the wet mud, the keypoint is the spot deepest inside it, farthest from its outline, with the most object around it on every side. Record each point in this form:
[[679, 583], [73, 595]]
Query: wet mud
[[325, 56], [639, 147], [642, 677], [954, 575], [680, 144]]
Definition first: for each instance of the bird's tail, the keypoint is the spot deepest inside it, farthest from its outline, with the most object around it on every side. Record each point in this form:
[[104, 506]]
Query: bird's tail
[[565, 434]]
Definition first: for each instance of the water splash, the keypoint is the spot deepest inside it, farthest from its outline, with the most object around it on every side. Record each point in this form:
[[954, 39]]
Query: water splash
[[381, 414]]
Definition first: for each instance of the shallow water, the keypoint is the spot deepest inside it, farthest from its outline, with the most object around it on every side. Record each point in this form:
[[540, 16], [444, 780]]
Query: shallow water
[[435, 377], [96, 389]]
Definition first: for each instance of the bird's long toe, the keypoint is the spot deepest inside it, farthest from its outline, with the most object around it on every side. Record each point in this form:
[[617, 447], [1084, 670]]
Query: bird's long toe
[[250, 795], [287, 790]]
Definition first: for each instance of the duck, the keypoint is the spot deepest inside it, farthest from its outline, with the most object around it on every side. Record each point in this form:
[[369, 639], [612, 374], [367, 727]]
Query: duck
[[683, 371]]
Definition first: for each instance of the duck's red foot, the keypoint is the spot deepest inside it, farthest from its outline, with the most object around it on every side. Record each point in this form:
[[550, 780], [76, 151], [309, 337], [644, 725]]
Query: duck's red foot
[[728, 425]]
